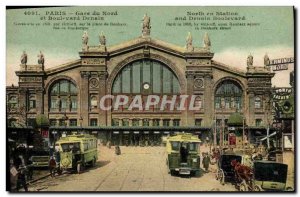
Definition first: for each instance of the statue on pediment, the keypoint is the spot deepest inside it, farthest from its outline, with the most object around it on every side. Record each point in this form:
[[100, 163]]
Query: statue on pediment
[[41, 58], [250, 60], [206, 41], [266, 60], [189, 42], [146, 25], [85, 40], [102, 39], [24, 58]]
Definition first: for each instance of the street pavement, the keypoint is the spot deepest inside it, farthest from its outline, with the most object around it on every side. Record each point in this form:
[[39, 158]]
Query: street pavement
[[136, 169]]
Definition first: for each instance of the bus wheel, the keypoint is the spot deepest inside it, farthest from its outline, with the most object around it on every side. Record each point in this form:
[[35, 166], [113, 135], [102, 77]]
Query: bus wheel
[[94, 162]]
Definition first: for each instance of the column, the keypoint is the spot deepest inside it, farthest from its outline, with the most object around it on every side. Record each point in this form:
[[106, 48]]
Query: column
[[84, 97], [150, 122], [161, 122], [189, 115], [140, 122], [40, 101], [171, 122], [208, 101], [103, 115]]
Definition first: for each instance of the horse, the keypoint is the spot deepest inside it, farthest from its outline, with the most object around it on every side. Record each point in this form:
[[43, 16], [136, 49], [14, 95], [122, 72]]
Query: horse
[[242, 172]]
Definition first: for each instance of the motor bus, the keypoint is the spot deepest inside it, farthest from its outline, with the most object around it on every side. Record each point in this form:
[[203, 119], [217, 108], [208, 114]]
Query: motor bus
[[77, 151]]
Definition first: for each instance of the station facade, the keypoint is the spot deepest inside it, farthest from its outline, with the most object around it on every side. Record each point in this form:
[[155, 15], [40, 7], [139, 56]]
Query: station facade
[[69, 95]]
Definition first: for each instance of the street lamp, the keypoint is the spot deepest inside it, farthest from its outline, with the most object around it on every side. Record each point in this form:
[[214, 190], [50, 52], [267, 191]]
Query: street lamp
[[54, 139]]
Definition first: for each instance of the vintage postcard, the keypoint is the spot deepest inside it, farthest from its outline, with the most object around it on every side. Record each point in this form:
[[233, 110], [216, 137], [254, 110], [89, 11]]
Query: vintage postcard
[[150, 99]]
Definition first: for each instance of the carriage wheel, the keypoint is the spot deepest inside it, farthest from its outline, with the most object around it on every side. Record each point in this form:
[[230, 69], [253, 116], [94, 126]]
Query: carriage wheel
[[243, 187], [221, 176], [257, 188]]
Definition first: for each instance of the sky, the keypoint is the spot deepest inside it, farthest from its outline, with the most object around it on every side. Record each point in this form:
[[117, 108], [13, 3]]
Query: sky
[[273, 33]]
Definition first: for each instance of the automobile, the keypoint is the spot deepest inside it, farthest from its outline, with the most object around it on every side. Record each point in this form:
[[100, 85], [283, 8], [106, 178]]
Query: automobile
[[77, 151], [183, 151]]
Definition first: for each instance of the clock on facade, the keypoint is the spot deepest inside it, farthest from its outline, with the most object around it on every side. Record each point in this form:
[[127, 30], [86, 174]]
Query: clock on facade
[[146, 86]]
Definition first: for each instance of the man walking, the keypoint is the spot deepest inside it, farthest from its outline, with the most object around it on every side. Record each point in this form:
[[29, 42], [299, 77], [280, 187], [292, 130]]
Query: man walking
[[52, 166], [206, 161]]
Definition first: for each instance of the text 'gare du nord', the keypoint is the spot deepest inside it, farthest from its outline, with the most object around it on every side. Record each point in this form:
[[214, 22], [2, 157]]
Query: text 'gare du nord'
[[68, 96]]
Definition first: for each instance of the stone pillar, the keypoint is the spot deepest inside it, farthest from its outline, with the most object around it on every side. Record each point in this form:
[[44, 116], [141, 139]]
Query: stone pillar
[[130, 122], [150, 122], [161, 122], [140, 122], [189, 115], [40, 101], [208, 101], [171, 122], [84, 97], [251, 108], [102, 92]]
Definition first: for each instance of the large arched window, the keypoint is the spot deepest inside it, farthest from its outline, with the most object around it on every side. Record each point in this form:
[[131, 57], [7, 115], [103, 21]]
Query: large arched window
[[146, 77], [228, 95], [63, 96]]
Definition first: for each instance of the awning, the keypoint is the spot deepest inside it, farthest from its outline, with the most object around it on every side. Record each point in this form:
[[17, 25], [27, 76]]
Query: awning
[[126, 132], [136, 132], [116, 132], [166, 132], [146, 132], [156, 132]]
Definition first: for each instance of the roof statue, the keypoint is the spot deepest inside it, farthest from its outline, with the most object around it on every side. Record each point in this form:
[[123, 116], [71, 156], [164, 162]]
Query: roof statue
[[189, 42], [146, 25], [206, 41], [24, 58], [250, 60], [85, 40], [266, 60], [41, 58], [102, 39]]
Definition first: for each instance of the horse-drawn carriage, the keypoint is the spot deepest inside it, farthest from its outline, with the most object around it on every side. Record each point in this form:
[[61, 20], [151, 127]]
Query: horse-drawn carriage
[[252, 176], [225, 169]]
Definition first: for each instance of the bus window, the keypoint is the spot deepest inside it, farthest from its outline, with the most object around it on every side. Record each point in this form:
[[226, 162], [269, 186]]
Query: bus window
[[175, 145], [67, 147], [193, 146], [85, 146]]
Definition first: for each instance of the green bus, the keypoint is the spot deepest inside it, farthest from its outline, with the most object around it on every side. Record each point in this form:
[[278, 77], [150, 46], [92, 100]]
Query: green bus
[[76, 151], [183, 152]]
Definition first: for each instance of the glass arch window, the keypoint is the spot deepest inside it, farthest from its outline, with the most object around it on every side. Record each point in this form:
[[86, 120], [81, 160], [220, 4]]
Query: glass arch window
[[146, 77], [63, 96], [228, 95]]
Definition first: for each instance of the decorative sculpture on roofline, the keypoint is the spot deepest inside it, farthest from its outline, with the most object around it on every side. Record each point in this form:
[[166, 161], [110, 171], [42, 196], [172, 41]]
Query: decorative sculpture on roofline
[[102, 41], [41, 59], [266, 60], [146, 26], [206, 41], [85, 40], [189, 42], [24, 58], [250, 60]]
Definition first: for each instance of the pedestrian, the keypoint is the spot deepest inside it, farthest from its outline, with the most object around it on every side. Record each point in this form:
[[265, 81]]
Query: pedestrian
[[29, 169], [52, 166], [205, 162], [207, 141], [117, 150], [21, 181]]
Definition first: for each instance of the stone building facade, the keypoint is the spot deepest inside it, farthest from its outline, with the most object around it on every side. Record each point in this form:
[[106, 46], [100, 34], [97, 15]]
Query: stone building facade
[[69, 94]]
